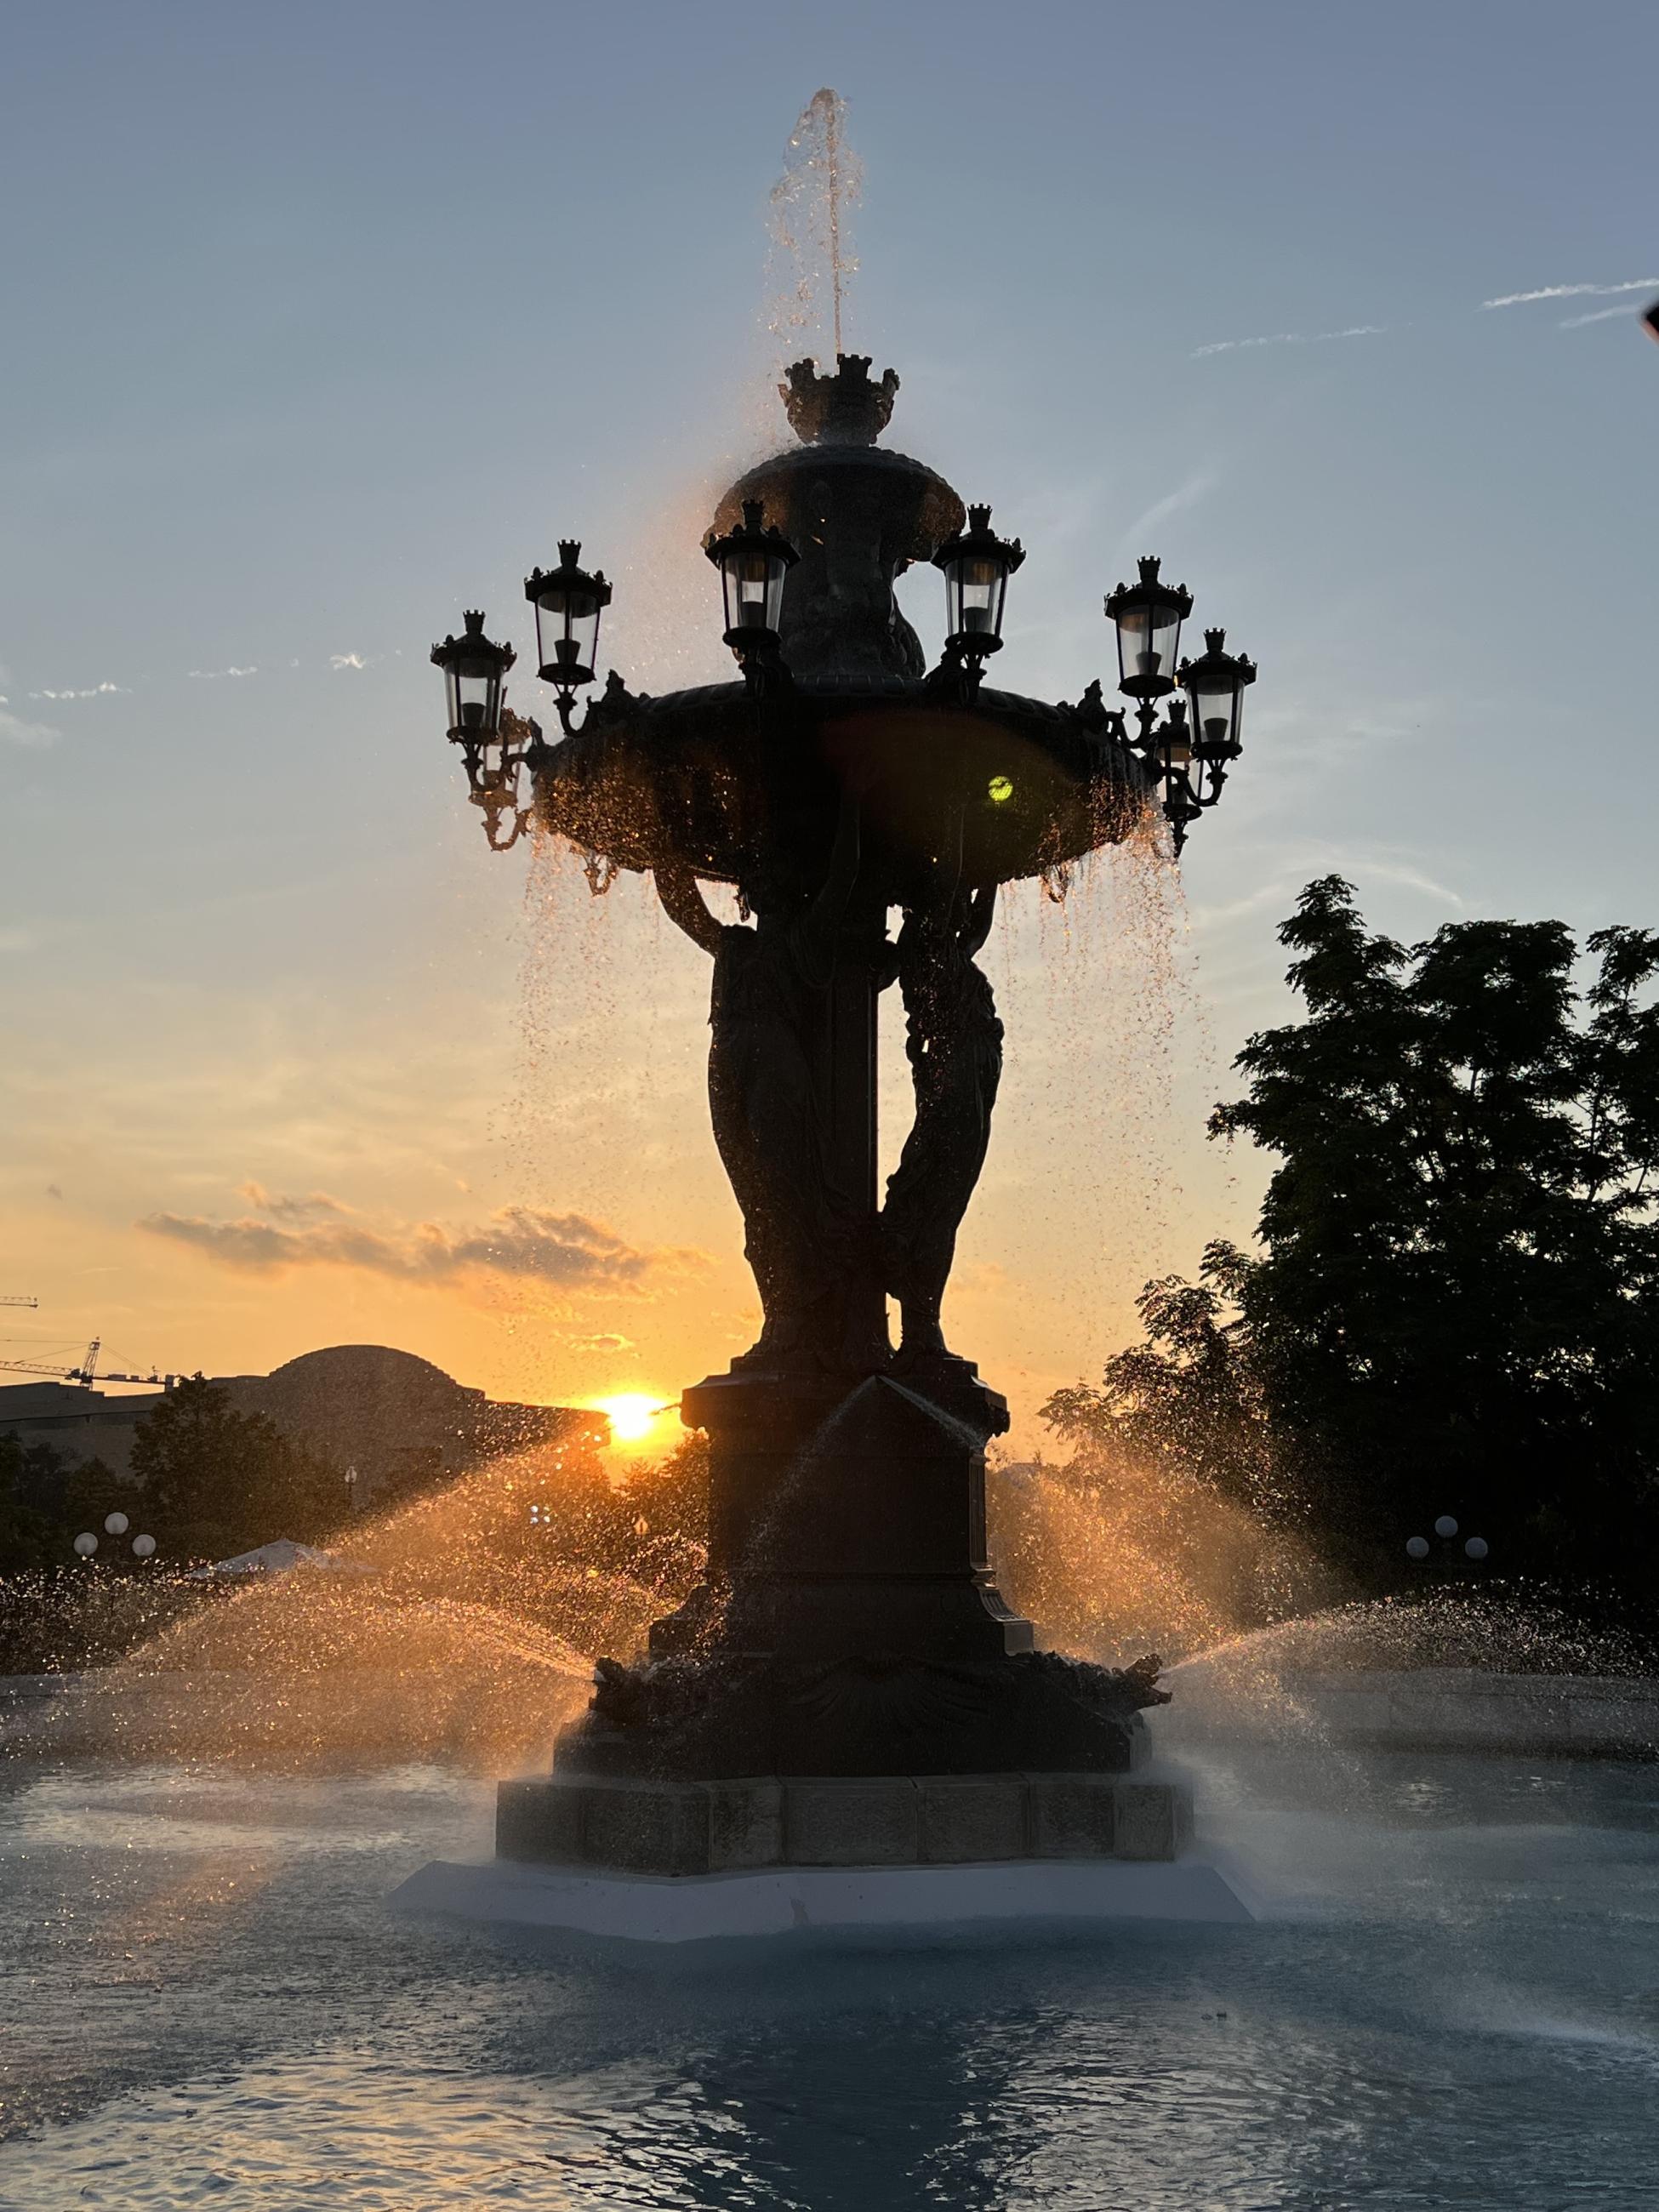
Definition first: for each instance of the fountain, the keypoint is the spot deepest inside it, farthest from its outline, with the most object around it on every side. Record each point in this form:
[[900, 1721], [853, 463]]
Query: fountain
[[846, 1688]]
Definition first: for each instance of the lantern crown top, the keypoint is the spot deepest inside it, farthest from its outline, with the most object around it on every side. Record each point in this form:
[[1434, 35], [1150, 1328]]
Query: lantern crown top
[[751, 535], [847, 409], [1151, 592], [1215, 653], [473, 642], [980, 537], [569, 573], [1218, 664]]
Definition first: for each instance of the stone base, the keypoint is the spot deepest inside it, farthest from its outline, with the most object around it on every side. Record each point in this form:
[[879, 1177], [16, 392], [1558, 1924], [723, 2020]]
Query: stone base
[[699, 1720], [700, 1828], [887, 1904]]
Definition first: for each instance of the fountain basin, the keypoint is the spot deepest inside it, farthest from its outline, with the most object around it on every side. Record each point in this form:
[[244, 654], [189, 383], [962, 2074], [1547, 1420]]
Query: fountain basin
[[794, 1900], [207, 2003], [706, 779], [1430, 1709]]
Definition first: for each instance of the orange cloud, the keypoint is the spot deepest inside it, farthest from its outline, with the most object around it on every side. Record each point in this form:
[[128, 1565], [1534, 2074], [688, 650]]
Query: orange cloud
[[522, 1243]]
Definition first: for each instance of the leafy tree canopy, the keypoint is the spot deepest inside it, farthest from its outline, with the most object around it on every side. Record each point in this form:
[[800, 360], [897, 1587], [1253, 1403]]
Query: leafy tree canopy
[[215, 1481], [1455, 1307]]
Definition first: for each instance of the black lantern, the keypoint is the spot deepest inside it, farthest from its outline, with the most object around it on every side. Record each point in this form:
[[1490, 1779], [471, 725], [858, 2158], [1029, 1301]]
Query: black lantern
[[1148, 616], [568, 603], [1214, 684], [1173, 738], [977, 565], [753, 563], [473, 669]]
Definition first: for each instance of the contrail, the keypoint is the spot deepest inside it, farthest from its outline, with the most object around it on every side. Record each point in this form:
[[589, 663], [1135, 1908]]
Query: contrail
[[1601, 315], [1290, 338], [1571, 292]]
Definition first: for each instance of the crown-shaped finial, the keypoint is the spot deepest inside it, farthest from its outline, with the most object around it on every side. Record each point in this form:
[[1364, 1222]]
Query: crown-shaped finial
[[570, 552], [843, 409], [1216, 640], [473, 618], [979, 517], [1149, 565]]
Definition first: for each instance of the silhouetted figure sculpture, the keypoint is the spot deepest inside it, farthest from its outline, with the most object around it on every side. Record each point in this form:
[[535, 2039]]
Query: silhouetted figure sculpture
[[954, 1042], [768, 1072]]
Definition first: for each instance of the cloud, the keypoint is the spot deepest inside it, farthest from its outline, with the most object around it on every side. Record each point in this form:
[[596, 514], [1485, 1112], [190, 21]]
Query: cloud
[[96, 691], [1571, 292], [339, 660], [33, 737], [291, 1209], [520, 1243], [607, 1340], [212, 675], [18, 940], [1291, 337]]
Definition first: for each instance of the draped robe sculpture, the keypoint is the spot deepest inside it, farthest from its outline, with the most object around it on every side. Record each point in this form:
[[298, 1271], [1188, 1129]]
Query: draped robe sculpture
[[767, 1073], [953, 1040], [806, 1238]]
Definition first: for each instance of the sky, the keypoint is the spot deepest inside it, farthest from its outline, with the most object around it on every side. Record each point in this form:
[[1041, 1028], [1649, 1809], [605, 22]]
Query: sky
[[323, 323]]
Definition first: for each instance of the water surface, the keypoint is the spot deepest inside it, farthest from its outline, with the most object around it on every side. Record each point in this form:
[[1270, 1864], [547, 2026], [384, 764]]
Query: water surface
[[203, 2000]]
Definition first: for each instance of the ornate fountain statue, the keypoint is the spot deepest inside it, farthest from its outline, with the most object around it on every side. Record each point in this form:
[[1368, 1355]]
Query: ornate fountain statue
[[849, 1625]]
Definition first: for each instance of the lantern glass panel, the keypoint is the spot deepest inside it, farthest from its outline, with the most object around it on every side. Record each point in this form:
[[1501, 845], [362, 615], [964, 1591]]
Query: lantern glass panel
[[977, 587], [567, 633], [1216, 703], [475, 692], [750, 576], [1148, 638]]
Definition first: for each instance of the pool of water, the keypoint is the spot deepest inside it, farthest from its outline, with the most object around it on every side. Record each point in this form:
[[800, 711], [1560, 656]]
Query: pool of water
[[1454, 2000]]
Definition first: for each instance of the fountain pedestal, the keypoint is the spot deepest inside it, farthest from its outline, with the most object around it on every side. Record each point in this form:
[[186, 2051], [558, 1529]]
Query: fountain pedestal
[[848, 1688], [850, 1624], [845, 1520]]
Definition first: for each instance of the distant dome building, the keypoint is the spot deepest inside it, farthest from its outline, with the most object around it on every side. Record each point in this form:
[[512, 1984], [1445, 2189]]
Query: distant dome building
[[399, 1420]]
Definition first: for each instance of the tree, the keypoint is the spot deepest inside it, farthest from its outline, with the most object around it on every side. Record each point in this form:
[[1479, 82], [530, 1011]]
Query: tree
[[1189, 1395], [1174, 1460], [1456, 1304], [26, 1528], [214, 1480]]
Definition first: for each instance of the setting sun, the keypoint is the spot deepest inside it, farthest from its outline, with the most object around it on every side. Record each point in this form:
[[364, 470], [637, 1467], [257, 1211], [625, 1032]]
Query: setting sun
[[632, 1414]]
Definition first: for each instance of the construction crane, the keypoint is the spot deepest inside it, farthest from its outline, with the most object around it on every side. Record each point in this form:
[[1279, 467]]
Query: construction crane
[[30, 1303], [85, 1374]]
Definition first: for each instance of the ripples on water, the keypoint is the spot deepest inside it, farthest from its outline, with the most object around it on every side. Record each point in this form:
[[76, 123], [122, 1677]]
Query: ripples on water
[[1456, 2002]]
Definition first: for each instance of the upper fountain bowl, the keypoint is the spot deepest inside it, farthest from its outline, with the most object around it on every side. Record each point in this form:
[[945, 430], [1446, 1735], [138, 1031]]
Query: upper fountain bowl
[[705, 778]]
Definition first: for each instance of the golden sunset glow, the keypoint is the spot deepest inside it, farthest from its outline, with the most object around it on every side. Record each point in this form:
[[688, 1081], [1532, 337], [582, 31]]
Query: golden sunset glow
[[634, 1415]]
